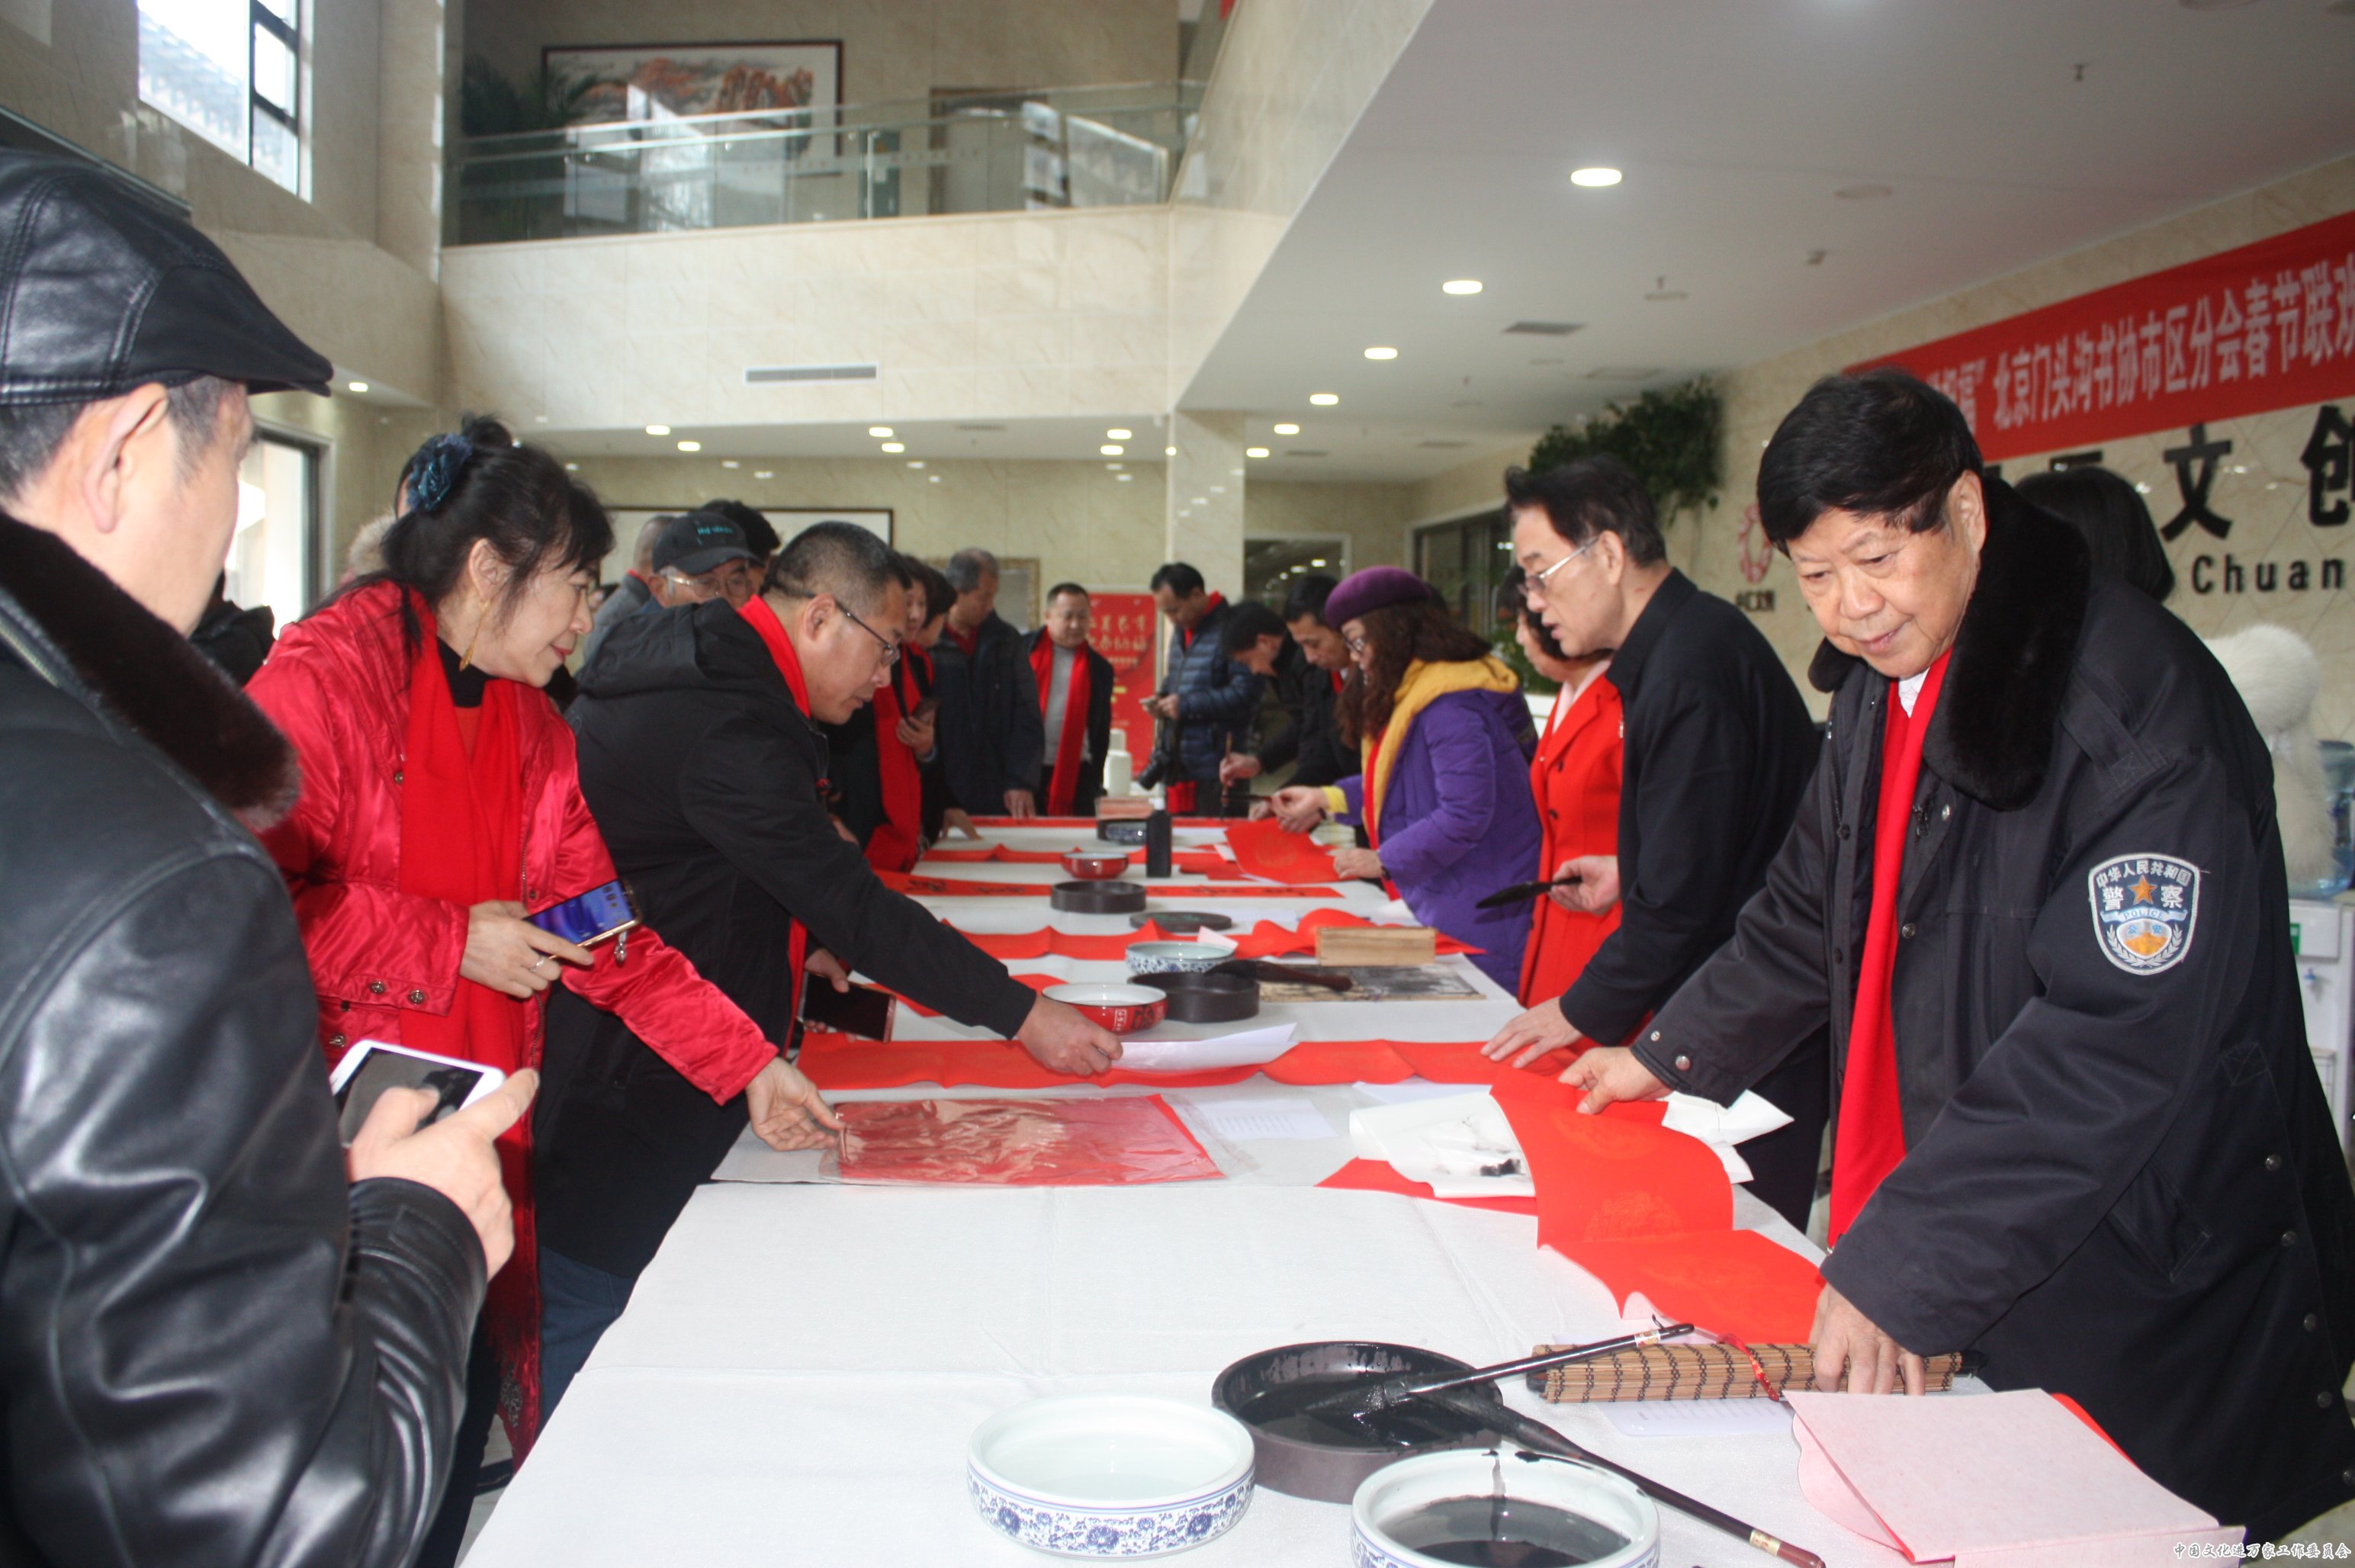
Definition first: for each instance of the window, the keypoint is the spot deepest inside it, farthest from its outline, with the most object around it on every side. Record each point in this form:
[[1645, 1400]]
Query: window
[[276, 556], [1273, 563], [1467, 561], [231, 71]]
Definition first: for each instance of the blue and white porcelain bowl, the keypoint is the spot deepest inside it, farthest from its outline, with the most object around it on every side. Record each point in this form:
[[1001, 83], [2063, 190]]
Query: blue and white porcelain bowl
[[1396, 1493], [1178, 957], [1110, 1476]]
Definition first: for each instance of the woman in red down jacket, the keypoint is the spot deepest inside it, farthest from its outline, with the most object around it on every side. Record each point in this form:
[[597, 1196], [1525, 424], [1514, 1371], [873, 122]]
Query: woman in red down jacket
[[440, 800]]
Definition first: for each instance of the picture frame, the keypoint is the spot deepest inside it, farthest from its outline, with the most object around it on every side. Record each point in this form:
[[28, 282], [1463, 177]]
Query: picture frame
[[659, 80]]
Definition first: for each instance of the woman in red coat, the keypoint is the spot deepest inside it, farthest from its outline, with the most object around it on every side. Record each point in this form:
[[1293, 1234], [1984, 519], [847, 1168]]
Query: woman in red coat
[[440, 801], [1575, 776]]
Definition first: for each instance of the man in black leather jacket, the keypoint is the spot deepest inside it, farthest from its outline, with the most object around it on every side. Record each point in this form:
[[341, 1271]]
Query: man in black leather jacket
[[215, 1346]]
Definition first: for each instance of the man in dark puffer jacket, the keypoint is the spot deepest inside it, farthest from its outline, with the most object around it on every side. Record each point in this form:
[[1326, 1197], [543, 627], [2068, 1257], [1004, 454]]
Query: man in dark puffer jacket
[[1205, 702]]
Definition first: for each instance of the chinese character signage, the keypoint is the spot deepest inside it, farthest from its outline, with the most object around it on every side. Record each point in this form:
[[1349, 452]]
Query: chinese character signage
[[2265, 326]]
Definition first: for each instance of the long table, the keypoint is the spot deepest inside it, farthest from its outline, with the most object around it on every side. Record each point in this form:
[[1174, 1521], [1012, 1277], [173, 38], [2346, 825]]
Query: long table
[[800, 1367]]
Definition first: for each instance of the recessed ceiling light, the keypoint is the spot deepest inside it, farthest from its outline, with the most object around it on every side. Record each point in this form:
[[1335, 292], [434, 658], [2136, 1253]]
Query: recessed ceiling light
[[572, 468], [730, 463], [933, 478], [1460, 286], [1201, 500], [1318, 561], [1594, 179], [1111, 449], [539, 419], [1115, 467], [1867, 191], [1324, 400], [764, 473], [1287, 430], [657, 430], [690, 446], [1168, 451], [1380, 353], [1125, 478], [880, 432], [895, 446], [915, 462], [355, 386], [1254, 452], [1118, 434]]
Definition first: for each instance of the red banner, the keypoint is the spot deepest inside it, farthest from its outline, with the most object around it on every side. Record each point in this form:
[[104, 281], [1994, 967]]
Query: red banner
[[1122, 627], [2268, 326]]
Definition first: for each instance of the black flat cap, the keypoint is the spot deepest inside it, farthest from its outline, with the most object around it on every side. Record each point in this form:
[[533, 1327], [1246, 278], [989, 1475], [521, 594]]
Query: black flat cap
[[102, 291]]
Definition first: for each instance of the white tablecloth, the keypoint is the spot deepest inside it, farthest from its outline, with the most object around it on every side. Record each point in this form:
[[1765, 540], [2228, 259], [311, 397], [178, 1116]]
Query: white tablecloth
[[800, 1367]]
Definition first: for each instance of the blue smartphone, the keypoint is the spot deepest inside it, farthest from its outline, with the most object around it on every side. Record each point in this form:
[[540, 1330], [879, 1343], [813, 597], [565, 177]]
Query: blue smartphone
[[593, 916]]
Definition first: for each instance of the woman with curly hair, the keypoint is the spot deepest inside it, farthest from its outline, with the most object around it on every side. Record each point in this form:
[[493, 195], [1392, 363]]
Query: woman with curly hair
[[1445, 741], [441, 801]]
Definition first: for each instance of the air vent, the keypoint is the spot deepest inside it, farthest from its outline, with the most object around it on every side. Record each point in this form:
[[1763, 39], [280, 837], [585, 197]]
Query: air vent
[[1443, 443], [1622, 373], [1304, 452], [978, 428], [1546, 329], [783, 375]]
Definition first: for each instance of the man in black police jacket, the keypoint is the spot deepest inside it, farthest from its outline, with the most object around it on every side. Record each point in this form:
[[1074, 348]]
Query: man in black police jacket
[[1717, 751], [707, 778], [2118, 1179]]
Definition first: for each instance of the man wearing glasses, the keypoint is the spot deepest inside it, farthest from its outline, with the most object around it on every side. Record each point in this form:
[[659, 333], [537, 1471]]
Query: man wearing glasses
[[702, 760], [701, 557], [1718, 749]]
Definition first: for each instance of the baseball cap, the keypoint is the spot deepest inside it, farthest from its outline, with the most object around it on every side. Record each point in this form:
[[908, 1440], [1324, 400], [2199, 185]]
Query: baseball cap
[[102, 291], [698, 542]]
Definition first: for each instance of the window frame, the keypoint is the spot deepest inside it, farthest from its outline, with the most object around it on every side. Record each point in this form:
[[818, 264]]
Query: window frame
[[260, 17]]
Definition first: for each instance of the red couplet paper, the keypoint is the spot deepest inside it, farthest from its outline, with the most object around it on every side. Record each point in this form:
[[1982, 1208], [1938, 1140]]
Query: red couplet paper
[[1264, 848], [1117, 1141], [1608, 1177], [1207, 863], [998, 852], [1735, 1282], [1379, 1176], [836, 1063], [914, 885]]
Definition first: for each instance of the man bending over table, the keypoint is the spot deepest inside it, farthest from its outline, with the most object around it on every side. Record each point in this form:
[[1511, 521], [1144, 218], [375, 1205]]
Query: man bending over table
[[2036, 892], [702, 763]]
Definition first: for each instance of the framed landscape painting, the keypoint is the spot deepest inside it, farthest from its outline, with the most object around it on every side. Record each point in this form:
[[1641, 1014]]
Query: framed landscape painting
[[657, 81]]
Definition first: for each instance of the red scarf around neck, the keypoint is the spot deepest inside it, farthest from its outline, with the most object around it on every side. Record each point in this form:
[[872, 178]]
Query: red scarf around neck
[[899, 839], [771, 632], [1065, 783], [1870, 1139]]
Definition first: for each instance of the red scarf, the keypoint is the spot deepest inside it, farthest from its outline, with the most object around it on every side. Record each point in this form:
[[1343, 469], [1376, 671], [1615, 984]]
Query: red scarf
[[1870, 1140], [771, 631], [899, 839], [1065, 783], [1182, 795]]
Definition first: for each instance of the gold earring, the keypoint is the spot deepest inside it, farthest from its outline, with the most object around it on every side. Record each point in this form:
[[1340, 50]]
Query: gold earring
[[466, 659]]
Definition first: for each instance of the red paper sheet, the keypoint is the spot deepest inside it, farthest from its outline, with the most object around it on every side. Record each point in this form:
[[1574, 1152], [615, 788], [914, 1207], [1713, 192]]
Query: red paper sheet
[[1379, 1175], [836, 1063], [1006, 854], [1609, 1178], [1089, 822], [1117, 1141], [1735, 1282], [959, 887], [1207, 863], [1265, 849]]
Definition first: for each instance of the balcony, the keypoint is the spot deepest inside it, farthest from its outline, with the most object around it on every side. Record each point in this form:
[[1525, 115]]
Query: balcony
[[1064, 148]]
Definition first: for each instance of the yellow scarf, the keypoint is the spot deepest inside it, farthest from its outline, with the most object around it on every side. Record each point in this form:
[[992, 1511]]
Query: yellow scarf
[[1417, 688]]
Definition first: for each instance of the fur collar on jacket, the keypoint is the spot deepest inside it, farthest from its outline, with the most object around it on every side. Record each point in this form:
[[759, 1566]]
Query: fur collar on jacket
[[2000, 707], [147, 676]]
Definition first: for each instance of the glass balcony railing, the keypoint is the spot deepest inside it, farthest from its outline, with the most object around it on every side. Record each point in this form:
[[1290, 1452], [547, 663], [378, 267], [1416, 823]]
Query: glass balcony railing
[[1067, 147]]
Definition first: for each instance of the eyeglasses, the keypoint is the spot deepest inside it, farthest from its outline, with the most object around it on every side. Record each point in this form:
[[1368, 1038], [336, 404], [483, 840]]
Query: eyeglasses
[[1533, 584], [891, 649], [1355, 644]]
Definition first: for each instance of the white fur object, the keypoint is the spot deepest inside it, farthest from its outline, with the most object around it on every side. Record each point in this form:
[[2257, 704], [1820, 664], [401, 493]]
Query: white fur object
[[2279, 678]]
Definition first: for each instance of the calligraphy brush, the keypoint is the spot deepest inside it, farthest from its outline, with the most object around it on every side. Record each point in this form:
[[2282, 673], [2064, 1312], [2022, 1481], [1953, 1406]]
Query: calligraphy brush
[[1520, 890], [1359, 1400], [1546, 1444]]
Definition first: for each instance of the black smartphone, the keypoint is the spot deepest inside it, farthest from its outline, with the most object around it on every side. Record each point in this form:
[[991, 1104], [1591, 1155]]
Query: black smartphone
[[862, 1011], [593, 916]]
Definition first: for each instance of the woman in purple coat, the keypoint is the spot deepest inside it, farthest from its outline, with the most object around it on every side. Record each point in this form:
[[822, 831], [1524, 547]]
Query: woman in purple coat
[[1444, 792]]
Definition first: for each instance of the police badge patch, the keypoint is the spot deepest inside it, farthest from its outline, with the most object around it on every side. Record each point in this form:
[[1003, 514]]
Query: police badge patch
[[2145, 907]]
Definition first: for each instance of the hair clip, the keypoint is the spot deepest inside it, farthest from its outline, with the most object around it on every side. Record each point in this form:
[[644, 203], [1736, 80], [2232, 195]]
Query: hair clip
[[438, 465]]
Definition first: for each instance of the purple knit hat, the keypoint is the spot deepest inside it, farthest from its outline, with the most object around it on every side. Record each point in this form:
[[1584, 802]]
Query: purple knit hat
[[1376, 587]]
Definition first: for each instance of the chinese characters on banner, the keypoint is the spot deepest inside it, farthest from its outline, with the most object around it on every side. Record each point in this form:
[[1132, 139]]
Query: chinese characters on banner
[[1122, 627], [2264, 327]]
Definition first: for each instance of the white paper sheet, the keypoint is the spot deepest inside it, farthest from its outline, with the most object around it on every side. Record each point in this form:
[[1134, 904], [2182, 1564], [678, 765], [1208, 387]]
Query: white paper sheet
[[1455, 1144], [1264, 1116], [1414, 1089], [1252, 1047], [1698, 1417]]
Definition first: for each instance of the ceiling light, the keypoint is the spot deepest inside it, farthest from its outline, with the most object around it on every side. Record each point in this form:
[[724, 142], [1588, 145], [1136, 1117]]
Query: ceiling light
[[915, 462], [880, 432], [355, 386], [730, 463], [764, 473], [1594, 179], [690, 446], [1287, 430], [1381, 353], [657, 430], [1111, 449], [1324, 400], [1254, 452], [895, 446], [1866, 192], [539, 419], [933, 478], [1118, 434], [1318, 561], [1125, 478], [1168, 451], [572, 468], [1460, 286]]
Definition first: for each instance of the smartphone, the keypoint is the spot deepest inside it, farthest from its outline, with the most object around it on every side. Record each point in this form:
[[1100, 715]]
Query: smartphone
[[593, 916], [372, 1066], [862, 1011], [925, 709]]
